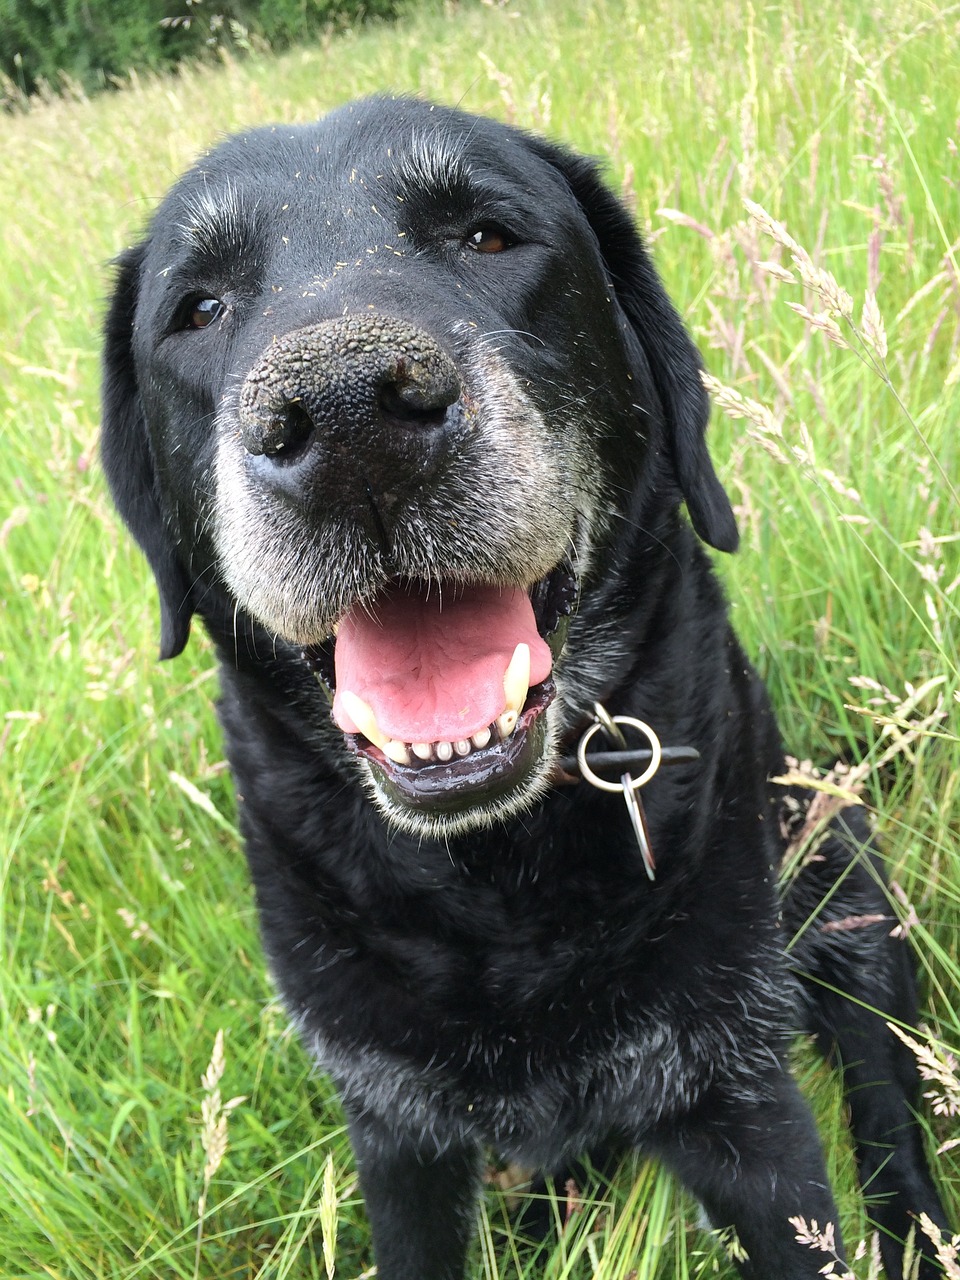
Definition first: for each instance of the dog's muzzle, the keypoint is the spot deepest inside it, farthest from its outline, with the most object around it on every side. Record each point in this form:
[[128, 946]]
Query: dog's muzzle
[[439, 682]]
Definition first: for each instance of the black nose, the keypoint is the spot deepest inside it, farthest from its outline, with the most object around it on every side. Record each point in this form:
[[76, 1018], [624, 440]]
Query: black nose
[[360, 376], [415, 395]]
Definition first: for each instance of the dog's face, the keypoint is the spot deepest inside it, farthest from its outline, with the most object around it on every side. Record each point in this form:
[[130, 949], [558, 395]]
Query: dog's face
[[385, 383]]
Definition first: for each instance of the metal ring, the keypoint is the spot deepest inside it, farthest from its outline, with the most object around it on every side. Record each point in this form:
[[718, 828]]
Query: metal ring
[[609, 725], [635, 783]]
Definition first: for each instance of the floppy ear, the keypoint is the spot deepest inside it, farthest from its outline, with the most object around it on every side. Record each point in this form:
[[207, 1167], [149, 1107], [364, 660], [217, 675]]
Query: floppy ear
[[673, 359], [128, 461]]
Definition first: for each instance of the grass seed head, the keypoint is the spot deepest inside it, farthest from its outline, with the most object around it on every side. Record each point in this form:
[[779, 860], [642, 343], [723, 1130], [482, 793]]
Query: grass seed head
[[871, 326]]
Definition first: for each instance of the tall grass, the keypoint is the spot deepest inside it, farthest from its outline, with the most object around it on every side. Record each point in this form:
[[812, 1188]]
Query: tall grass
[[129, 939]]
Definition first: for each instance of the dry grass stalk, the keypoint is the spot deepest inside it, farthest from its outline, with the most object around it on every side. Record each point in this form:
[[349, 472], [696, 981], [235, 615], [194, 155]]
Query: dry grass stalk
[[778, 271], [836, 788], [900, 725], [805, 826], [838, 303], [948, 1250], [767, 430], [938, 1067], [214, 1114], [823, 1240], [871, 326]]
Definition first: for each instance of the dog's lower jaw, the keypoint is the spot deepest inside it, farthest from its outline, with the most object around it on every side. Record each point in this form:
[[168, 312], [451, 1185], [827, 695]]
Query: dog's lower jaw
[[483, 813]]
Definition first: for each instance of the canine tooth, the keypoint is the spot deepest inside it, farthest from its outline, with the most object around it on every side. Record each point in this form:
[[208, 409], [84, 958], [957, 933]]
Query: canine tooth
[[516, 679], [361, 713], [422, 750], [396, 751], [444, 751], [481, 739], [462, 747], [507, 723]]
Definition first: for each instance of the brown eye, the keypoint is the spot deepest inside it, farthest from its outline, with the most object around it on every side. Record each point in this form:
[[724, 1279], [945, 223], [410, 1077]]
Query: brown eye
[[489, 240], [203, 312]]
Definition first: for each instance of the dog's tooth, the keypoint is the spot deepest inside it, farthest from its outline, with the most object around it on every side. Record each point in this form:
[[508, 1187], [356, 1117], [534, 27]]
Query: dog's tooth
[[422, 750], [361, 713], [444, 751], [396, 751], [481, 739], [507, 723], [462, 746], [516, 679]]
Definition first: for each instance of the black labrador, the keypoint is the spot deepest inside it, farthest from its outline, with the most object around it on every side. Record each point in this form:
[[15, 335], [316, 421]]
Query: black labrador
[[397, 404]]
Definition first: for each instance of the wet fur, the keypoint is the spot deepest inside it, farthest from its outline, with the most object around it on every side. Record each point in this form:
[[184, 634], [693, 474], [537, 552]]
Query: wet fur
[[511, 979]]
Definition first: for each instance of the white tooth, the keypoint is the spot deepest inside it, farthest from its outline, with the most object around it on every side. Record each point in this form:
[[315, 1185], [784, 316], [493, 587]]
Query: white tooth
[[481, 739], [507, 723], [422, 750], [516, 679], [462, 747], [444, 751], [396, 751], [362, 716]]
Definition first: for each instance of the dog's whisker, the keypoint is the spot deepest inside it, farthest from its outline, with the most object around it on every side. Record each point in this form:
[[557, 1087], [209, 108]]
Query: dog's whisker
[[519, 333]]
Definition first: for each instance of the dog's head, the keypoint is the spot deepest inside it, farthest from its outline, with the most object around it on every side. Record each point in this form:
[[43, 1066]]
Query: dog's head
[[386, 385]]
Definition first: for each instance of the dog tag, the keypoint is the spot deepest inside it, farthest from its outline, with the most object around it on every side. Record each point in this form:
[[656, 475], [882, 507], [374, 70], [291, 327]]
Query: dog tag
[[628, 785]]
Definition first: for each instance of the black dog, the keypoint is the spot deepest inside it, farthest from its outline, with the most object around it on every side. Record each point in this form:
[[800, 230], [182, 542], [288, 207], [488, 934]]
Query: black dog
[[397, 404]]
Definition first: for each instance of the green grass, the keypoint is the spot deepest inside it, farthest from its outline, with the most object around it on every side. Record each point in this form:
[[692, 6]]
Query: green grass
[[127, 925]]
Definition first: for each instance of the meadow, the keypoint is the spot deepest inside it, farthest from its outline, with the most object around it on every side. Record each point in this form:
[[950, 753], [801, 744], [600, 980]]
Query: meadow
[[796, 170]]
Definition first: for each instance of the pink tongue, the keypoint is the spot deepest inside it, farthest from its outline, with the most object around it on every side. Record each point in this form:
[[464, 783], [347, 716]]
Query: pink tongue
[[432, 669]]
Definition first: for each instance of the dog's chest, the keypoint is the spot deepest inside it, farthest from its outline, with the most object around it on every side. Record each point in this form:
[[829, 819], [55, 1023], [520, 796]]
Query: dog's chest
[[536, 997], [535, 1037], [529, 1097]]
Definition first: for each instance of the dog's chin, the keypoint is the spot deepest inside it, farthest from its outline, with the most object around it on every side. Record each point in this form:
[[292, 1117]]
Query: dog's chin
[[487, 787]]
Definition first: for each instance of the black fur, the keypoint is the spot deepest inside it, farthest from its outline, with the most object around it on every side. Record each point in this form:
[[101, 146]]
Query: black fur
[[508, 977]]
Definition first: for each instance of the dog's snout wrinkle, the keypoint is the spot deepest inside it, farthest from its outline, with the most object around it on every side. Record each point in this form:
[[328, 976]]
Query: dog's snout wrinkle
[[380, 528]]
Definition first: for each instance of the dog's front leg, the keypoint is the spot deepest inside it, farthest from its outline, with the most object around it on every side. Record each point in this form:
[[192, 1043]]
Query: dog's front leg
[[755, 1163], [421, 1200]]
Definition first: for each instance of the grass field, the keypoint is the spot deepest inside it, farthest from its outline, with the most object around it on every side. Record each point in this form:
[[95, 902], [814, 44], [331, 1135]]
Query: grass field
[[127, 925]]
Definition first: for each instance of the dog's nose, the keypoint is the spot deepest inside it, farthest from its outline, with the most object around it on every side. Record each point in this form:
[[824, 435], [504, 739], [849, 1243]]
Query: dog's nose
[[359, 377]]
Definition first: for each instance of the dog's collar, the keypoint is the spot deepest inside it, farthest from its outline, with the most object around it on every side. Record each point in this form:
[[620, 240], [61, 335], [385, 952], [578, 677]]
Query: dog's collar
[[610, 763], [568, 770], [622, 760]]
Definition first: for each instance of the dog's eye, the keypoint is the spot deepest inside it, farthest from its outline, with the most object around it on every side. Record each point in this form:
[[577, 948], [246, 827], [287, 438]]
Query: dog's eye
[[489, 240], [202, 312]]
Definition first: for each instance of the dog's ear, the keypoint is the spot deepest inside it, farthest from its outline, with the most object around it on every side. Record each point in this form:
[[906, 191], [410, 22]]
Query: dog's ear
[[673, 359], [128, 460]]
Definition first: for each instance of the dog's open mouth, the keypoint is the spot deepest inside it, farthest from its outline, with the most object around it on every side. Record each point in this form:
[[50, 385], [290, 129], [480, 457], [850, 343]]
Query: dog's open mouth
[[441, 686]]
